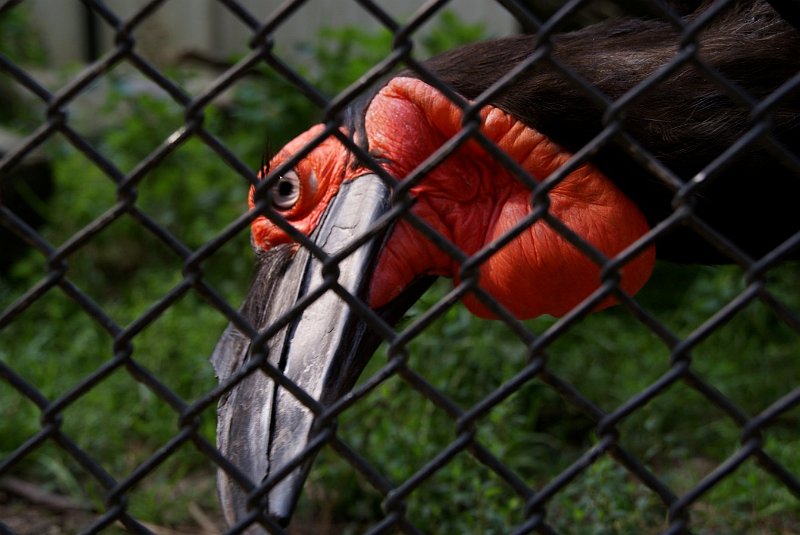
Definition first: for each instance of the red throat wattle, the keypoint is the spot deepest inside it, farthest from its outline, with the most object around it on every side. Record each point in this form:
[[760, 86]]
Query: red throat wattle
[[472, 200]]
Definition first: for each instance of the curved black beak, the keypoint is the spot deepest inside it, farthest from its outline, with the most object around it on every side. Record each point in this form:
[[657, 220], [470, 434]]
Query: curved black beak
[[262, 427]]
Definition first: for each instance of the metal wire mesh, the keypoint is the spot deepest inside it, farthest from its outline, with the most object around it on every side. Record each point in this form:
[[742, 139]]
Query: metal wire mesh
[[535, 499]]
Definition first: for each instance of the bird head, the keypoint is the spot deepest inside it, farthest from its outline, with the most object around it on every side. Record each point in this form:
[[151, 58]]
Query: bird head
[[520, 214], [469, 198]]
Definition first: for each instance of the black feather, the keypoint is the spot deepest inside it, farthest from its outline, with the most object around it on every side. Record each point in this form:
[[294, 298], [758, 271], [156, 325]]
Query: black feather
[[686, 120]]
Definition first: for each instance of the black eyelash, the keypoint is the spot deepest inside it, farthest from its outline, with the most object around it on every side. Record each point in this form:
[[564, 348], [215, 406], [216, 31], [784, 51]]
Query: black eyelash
[[266, 157]]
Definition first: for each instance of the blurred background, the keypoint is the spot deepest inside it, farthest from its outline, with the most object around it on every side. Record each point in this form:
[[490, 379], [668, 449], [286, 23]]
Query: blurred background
[[56, 348]]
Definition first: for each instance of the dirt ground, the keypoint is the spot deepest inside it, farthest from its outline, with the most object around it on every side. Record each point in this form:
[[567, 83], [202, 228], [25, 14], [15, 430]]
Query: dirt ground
[[26, 509]]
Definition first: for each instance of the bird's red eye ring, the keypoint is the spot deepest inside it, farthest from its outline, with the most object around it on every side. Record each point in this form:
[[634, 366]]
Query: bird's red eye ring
[[286, 191]]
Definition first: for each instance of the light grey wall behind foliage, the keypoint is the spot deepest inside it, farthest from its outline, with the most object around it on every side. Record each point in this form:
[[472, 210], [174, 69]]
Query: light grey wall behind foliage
[[209, 28]]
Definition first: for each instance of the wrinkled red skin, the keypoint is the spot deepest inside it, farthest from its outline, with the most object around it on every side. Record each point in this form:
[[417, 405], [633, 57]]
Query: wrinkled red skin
[[472, 200]]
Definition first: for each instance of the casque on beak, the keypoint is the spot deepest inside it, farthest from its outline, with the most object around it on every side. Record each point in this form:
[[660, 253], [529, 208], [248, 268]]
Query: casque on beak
[[262, 428]]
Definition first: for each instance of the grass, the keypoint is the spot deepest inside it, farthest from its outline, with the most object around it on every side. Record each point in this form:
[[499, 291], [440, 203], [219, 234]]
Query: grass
[[679, 436], [54, 345]]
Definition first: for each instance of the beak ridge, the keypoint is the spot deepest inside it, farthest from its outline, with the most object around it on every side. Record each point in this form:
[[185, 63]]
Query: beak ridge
[[262, 427]]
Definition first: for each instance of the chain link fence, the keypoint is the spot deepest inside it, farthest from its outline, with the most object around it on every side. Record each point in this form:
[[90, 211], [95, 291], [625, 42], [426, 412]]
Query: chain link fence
[[642, 418]]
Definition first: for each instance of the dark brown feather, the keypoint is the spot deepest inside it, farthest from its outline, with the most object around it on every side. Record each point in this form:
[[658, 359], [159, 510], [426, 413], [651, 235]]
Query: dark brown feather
[[686, 120]]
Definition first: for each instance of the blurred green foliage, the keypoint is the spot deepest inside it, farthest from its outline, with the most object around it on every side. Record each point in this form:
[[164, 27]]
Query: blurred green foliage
[[21, 42], [193, 194], [609, 357]]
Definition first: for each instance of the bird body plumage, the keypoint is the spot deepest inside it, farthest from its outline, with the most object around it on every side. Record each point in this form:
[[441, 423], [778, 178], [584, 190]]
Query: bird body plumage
[[685, 121]]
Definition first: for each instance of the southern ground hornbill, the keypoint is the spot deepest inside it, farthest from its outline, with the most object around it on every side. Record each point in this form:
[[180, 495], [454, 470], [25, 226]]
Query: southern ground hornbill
[[609, 198]]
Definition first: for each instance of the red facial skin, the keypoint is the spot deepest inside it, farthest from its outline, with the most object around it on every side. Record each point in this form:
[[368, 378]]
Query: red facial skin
[[472, 200]]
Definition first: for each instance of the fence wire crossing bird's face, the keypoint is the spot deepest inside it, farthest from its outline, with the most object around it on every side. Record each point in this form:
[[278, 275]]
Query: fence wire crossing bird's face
[[492, 195]]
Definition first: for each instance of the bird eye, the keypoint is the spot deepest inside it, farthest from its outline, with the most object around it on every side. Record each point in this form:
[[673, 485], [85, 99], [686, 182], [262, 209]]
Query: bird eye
[[286, 191]]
